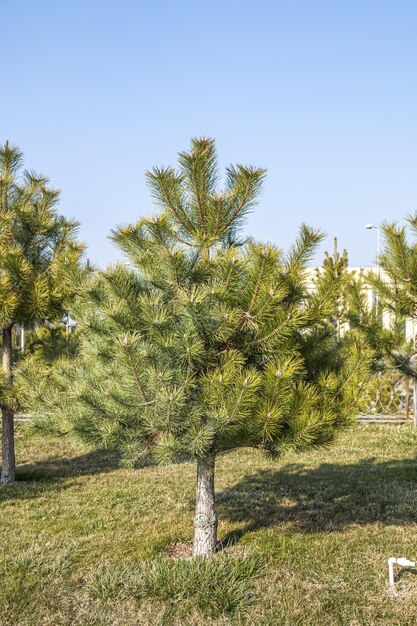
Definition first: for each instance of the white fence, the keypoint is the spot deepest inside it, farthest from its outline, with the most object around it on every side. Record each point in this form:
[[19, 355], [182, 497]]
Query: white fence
[[390, 398]]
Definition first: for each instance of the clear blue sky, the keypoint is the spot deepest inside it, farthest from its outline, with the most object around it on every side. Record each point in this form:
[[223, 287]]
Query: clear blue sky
[[322, 93]]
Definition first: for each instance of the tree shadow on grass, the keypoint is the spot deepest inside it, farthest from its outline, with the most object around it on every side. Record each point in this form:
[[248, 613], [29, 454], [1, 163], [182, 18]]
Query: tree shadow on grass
[[94, 462], [53, 473], [324, 499]]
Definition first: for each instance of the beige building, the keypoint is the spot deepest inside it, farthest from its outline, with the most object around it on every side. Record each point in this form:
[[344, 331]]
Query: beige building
[[410, 329]]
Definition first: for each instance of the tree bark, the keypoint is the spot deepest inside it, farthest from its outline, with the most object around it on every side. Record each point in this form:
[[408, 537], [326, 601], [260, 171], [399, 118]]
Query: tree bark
[[205, 521], [7, 417], [415, 401]]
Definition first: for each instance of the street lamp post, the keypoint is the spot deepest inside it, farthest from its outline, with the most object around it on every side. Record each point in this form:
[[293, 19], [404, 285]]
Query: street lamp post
[[378, 244], [378, 241]]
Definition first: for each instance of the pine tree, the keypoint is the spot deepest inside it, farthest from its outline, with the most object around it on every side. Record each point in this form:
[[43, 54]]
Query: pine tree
[[331, 286], [204, 343], [49, 342], [38, 252], [384, 325], [395, 283], [332, 283]]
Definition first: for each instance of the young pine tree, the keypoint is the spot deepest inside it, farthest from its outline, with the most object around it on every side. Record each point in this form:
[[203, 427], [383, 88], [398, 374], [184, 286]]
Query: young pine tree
[[332, 283], [37, 253], [201, 345], [395, 283]]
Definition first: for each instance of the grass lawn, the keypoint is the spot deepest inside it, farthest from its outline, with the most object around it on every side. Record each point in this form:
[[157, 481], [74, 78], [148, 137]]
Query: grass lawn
[[85, 542]]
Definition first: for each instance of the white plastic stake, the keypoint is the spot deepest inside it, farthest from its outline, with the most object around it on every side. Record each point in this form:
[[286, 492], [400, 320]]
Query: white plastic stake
[[402, 562]]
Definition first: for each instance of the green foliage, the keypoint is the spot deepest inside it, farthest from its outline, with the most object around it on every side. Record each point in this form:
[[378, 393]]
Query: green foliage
[[38, 250], [52, 341], [202, 345], [395, 283], [332, 283], [40, 264]]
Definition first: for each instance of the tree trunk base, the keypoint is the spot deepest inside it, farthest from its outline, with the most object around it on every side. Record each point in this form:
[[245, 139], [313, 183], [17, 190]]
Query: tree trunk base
[[205, 521], [8, 456], [7, 415]]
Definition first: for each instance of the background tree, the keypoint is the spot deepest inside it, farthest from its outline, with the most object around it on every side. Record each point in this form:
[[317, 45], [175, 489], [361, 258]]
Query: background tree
[[203, 345], [331, 294], [38, 253], [332, 283], [395, 285]]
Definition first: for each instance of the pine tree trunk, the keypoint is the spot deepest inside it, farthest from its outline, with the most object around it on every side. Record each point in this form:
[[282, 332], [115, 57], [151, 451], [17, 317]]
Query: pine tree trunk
[[415, 401], [205, 521], [7, 418]]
